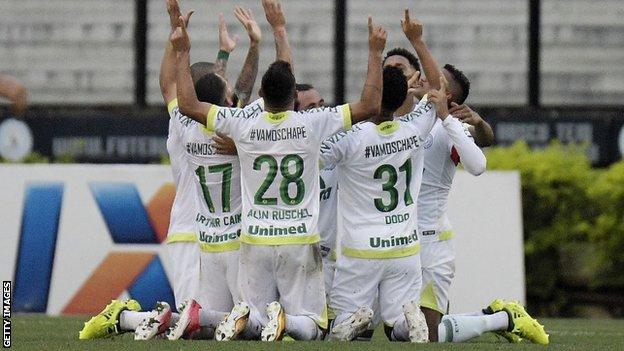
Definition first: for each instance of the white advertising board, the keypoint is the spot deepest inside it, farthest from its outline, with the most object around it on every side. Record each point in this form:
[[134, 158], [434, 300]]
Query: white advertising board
[[74, 236]]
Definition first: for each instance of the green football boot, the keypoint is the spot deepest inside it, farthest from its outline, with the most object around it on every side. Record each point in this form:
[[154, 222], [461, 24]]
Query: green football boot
[[106, 323], [524, 325], [497, 306]]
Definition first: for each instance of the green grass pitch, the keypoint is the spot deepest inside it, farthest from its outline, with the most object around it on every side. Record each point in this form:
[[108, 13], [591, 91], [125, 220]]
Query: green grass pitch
[[35, 332]]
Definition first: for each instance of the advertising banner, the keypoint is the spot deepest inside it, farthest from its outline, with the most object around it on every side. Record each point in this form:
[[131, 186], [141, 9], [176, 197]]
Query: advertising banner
[[76, 236]]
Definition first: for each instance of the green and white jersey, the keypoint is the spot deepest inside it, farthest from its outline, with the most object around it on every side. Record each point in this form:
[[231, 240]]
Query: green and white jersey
[[279, 157], [328, 210], [182, 218], [216, 186], [380, 169], [448, 144]]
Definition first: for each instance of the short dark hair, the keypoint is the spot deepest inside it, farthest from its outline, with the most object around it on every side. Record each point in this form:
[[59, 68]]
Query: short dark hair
[[303, 87], [200, 69], [462, 81], [278, 84], [211, 89], [413, 60], [394, 89]]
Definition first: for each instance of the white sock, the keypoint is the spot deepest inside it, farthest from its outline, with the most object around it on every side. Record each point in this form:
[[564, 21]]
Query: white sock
[[460, 328], [210, 319], [175, 317], [400, 331], [301, 327], [475, 313], [130, 320]]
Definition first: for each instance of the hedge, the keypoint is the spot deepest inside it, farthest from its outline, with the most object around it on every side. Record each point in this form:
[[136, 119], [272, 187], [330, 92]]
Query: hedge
[[573, 222]]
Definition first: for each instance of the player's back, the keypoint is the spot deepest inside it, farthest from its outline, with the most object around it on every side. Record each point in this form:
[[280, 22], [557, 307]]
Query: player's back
[[217, 187], [379, 181], [279, 154]]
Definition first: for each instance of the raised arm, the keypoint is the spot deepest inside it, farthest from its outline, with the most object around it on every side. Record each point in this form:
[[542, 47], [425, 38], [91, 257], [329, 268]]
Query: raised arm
[[370, 100], [480, 130], [413, 30], [167, 77], [247, 78], [277, 20], [187, 98], [227, 44]]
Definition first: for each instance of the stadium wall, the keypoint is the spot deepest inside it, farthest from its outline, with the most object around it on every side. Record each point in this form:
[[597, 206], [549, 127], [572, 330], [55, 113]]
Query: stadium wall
[[76, 236]]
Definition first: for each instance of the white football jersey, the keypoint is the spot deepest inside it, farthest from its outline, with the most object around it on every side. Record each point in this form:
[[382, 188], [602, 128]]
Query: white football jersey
[[182, 219], [443, 147], [279, 156], [216, 180], [328, 210], [380, 174]]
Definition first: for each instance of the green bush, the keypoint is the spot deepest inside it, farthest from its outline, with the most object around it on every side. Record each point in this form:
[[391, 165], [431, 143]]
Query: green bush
[[573, 221]]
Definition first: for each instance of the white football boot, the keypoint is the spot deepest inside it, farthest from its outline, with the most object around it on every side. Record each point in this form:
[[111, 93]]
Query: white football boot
[[416, 323], [234, 323], [155, 324], [353, 326]]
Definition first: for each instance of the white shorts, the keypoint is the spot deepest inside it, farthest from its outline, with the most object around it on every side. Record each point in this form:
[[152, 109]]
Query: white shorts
[[184, 257], [329, 268], [290, 274], [218, 284], [358, 282], [438, 269]]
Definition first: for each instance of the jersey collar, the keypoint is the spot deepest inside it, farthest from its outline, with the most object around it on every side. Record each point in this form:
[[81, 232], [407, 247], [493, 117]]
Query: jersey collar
[[387, 127]]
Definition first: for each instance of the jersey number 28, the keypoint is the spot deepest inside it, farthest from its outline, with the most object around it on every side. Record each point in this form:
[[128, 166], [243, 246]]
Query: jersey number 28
[[288, 177]]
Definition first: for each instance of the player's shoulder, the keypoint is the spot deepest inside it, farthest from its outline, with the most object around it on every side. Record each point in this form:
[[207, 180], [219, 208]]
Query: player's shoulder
[[236, 112], [321, 110], [255, 107], [178, 118], [421, 109], [350, 134]]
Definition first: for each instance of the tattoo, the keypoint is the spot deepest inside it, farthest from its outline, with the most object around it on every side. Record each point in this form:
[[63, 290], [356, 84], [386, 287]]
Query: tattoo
[[220, 66], [247, 77]]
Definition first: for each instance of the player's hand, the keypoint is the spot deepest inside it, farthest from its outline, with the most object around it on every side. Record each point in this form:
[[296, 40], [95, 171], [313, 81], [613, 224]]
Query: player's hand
[[179, 38], [173, 8], [376, 37], [274, 14], [224, 145], [412, 28], [245, 17], [465, 114], [226, 42], [439, 98], [412, 83]]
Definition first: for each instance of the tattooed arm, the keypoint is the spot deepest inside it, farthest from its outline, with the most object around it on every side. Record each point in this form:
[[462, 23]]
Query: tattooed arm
[[247, 77]]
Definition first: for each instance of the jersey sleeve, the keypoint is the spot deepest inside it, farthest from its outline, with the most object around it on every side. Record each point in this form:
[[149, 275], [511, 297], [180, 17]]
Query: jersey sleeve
[[176, 117], [423, 117], [334, 149], [255, 106], [470, 155], [226, 120], [327, 121]]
